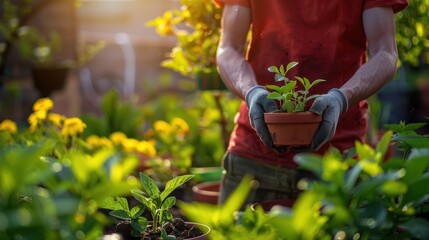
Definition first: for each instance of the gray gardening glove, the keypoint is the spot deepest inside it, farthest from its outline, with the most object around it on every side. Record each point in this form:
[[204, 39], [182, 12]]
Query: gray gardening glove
[[258, 104], [330, 106]]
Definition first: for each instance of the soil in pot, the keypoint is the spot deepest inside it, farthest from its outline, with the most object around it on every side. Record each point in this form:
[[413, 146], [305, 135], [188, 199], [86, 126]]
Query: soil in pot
[[180, 229], [292, 129]]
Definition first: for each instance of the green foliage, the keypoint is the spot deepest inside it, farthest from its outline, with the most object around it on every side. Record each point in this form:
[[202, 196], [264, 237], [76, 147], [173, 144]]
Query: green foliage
[[117, 116], [369, 197], [157, 202], [412, 32], [197, 29], [291, 100]]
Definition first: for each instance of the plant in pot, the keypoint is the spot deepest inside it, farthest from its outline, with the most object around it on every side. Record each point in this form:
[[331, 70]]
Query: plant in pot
[[292, 118], [196, 26], [162, 225]]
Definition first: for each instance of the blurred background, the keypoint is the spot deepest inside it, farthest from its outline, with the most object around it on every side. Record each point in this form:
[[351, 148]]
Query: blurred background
[[141, 49]]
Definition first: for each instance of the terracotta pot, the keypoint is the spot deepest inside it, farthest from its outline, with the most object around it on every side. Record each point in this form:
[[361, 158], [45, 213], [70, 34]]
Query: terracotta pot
[[292, 129], [49, 79], [267, 205], [207, 192]]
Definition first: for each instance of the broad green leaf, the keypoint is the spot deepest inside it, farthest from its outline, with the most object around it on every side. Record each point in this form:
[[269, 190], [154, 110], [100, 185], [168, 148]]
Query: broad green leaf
[[300, 107], [168, 203], [307, 83], [418, 189], [173, 184], [137, 211], [352, 176], [383, 145], [273, 87], [288, 87], [372, 215], [417, 227], [364, 151], [275, 95], [114, 203], [301, 80], [394, 188], [144, 200], [311, 162], [139, 224], [149, 185], [121, 214], [273, 69], [290, 66], [415, 167]]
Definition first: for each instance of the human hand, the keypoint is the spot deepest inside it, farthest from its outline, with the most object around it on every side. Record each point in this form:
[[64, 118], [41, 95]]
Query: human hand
[[330, 106], [258, 104]]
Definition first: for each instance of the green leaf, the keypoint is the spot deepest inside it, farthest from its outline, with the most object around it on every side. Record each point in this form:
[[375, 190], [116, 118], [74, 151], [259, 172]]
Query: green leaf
[[394, 188], [173, 184], [273, 69], [290, 66], [418, 189], [121, 214], [168, 203], [352, 177], [301, 80], [114, 203], [383, 145], [288, 87], [417, 227], [316, 82], [149, 185], [372, 215], [415, 167], [137, 211], [139, 224], [300, 107], [310, 162], [289, 106], [147, 202], [282, 70], [279, 78], [273, 87], [275, 95]]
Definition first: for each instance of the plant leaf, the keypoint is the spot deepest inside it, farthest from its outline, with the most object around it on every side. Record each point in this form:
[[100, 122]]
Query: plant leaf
[[121, 214], [316, 82], [168, 203], [275, 95], [139, 224], [273, 87], [289, 106], [279, 78], [282, 70], [288, 87], [417, 227], [137, 211], [290, 66], [273, 69], [149, 185], [173, 184]]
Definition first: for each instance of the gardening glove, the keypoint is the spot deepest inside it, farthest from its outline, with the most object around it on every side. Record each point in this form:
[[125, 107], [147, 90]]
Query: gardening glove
[[258, 104], [330, 106]]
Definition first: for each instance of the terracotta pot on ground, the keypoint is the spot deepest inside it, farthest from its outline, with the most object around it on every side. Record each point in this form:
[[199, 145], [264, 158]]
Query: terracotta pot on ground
[[49, 79], [267, 205], [292, 129], [207, 192]]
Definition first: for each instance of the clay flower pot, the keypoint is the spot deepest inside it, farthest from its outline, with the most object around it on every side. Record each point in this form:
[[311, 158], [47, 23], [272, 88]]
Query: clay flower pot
[[207, 192], [292, 129]]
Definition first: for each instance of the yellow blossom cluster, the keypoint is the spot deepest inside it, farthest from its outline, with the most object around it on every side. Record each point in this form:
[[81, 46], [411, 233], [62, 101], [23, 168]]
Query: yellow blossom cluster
[[129, 145], [68, 126], [177, 128], [8, 125]]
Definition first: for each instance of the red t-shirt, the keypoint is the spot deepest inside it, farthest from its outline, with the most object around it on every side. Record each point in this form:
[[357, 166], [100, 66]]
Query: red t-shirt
[[327, 39]]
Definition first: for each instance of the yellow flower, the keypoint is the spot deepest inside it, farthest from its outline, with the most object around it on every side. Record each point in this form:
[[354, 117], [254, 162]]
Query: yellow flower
[[35, 118], [93, 140], [180, 125], [118, 137], [146, 148], [105, 142], [8, 126], [129, 144], [162, 127], [43, 104], [56, 119], [72, 127]]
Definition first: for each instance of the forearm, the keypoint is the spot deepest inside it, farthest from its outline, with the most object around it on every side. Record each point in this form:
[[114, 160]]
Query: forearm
[[235, 71], [370, 77]]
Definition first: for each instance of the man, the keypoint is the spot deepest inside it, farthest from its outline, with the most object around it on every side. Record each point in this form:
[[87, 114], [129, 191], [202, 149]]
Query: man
[[330, 40]]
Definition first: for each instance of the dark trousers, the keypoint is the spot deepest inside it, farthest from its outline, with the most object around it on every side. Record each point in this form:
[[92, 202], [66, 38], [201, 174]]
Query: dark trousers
[[272, 182]]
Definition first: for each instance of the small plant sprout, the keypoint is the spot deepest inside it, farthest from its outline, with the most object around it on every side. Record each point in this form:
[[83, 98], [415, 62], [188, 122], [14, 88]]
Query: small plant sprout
[[291, 100]]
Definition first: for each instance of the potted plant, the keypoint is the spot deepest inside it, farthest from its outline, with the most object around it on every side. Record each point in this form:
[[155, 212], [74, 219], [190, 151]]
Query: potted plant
[[162, 224], [197, 29], [300, 125]]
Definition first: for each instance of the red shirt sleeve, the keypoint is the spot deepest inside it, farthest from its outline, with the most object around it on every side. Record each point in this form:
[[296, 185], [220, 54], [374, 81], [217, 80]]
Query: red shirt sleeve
[[397, 5], [245, 3]]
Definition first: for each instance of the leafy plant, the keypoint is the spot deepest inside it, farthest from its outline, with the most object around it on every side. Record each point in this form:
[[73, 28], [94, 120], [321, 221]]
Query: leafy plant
[[291, 100], [157, 202]]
